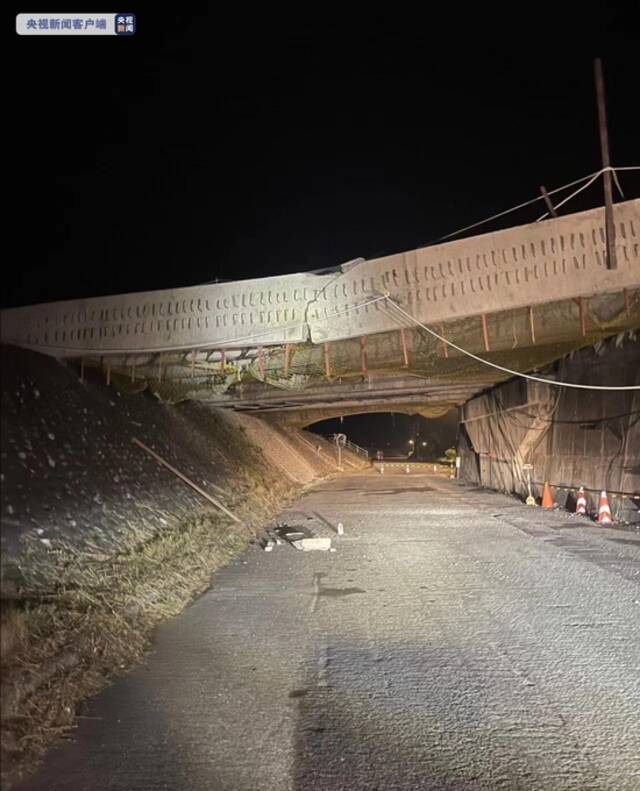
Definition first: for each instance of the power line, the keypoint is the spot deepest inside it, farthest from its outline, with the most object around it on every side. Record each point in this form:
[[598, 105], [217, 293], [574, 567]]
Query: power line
[[590, 178], [502, 368]]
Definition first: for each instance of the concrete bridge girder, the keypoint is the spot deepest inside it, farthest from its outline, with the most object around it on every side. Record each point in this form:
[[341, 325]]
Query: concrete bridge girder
[[562, 258]]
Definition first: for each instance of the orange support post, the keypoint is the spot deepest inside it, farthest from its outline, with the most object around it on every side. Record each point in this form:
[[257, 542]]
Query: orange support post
[[582, 315], [485, 333], [405, 353], [287, 357], [445, 348], [532, 325]]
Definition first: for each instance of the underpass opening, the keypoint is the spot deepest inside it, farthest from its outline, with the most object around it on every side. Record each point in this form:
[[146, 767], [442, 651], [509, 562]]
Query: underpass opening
[[395, 435]]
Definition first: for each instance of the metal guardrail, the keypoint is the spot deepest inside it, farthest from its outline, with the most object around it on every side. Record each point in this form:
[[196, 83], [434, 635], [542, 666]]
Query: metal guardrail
[[353, 447], [357, 449]]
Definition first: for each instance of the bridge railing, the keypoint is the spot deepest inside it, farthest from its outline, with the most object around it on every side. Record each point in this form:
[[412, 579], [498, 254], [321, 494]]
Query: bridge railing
[[358, 449]]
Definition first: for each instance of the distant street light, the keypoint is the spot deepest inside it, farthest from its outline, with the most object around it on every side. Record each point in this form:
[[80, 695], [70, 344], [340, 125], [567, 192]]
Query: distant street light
[[411, 442]]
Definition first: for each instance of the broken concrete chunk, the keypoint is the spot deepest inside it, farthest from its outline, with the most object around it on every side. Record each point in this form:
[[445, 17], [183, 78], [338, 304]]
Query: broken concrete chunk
[[310, 544]]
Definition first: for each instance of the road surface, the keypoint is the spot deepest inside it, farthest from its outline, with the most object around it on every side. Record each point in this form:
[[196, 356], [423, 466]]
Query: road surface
[[455, 639]]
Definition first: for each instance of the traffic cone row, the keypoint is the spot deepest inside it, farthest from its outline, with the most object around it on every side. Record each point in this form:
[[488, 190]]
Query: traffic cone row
[[604, 511], [604, 516]]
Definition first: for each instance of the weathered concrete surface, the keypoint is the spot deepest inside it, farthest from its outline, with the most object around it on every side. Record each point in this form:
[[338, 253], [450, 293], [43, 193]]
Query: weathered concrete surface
[[561, 258], [455, 640]]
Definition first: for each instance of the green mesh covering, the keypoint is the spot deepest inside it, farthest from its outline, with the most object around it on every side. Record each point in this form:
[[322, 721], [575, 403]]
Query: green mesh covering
[[557, 328]]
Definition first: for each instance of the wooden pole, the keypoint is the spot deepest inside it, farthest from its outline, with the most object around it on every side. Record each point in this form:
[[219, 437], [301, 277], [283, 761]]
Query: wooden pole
[[405, 353], [547, 200], [108, 372], [610, 231], [363, 354], [193, 363], [184, 478], [160, 367], [485, 333], [223, 360]]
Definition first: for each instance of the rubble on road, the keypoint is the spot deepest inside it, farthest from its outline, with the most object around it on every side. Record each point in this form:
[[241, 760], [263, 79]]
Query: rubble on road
[[297, 536], [310, 544]]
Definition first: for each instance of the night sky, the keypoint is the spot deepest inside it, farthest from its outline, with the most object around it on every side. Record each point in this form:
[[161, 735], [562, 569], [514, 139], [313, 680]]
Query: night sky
[[213, 145]]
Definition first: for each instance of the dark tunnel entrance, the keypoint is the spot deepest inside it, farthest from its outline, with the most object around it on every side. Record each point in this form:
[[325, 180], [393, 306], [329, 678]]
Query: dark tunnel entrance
[[395, 434]]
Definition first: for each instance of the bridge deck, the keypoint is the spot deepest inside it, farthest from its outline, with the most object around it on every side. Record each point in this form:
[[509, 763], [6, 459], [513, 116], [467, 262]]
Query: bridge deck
[[529, 265]]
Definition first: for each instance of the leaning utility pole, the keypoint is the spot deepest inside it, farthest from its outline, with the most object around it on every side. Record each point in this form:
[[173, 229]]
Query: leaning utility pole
[[610, 230]]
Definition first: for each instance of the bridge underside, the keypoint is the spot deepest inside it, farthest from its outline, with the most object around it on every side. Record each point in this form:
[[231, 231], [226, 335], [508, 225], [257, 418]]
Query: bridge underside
[[405, 370]]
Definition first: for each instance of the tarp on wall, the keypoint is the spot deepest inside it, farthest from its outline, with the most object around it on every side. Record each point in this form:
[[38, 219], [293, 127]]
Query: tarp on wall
[[570, 437]]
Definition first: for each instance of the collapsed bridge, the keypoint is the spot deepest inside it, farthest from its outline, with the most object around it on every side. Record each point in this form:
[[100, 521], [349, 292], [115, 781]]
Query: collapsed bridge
[[350, 340]]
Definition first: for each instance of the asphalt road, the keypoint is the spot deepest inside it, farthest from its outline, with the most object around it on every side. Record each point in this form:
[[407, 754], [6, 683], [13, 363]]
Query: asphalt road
[[455, 639]]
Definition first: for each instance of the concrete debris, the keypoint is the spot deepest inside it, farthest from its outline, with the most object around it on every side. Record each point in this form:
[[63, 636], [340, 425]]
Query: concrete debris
[[311, 544], [270, 541]]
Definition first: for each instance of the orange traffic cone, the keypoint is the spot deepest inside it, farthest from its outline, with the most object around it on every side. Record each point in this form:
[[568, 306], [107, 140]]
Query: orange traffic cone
[[581, 504], [604, 512], [547, 499]]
